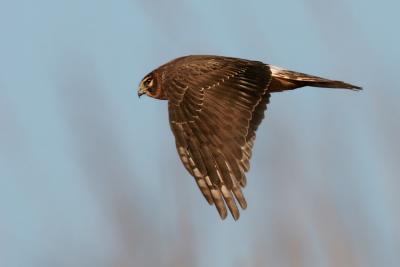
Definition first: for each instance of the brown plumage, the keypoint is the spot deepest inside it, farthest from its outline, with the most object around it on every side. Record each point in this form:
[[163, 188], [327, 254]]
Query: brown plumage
[[215, 106]]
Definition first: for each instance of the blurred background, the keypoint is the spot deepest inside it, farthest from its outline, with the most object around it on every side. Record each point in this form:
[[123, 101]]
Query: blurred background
[[89, 175]]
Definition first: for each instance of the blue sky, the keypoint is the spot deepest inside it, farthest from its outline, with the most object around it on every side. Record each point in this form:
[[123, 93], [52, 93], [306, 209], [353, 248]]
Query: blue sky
[[89, 175]]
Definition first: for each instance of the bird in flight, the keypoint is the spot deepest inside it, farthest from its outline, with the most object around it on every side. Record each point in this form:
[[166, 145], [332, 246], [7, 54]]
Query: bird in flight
[[215, 106]]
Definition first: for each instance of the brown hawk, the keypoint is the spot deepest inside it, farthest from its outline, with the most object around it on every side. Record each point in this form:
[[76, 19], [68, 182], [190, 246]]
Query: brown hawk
[[215, 106]]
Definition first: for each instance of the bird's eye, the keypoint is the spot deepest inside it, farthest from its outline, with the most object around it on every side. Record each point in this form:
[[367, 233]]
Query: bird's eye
[[147, 82]]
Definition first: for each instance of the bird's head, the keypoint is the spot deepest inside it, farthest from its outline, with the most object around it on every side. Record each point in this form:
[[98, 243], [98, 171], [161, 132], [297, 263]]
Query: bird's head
[[150, 87]]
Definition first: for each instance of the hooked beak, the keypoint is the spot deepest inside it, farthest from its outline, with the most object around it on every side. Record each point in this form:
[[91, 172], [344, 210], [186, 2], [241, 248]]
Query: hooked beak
[[141, 92]]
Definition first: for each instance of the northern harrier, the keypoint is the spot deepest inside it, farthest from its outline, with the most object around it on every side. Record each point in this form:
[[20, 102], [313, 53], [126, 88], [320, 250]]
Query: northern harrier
[[215, 106]]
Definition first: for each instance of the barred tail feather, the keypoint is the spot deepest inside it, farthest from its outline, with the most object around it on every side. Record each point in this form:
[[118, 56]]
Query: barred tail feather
[[287, 80]]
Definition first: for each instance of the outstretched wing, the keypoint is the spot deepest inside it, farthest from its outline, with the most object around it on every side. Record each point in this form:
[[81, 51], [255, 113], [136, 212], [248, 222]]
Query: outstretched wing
[[215, 106]]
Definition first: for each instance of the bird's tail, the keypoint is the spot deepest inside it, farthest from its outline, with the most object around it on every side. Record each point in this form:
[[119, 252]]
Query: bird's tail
[[283, 80]]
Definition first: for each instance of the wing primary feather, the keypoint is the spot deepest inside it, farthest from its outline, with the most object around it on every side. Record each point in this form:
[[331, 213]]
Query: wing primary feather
[[219, 202], [210, 165], [186, 159], [201, 181], [223, 169], [230, 202], [236, 170], [239, 196], [194, 147], [205, 190]]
